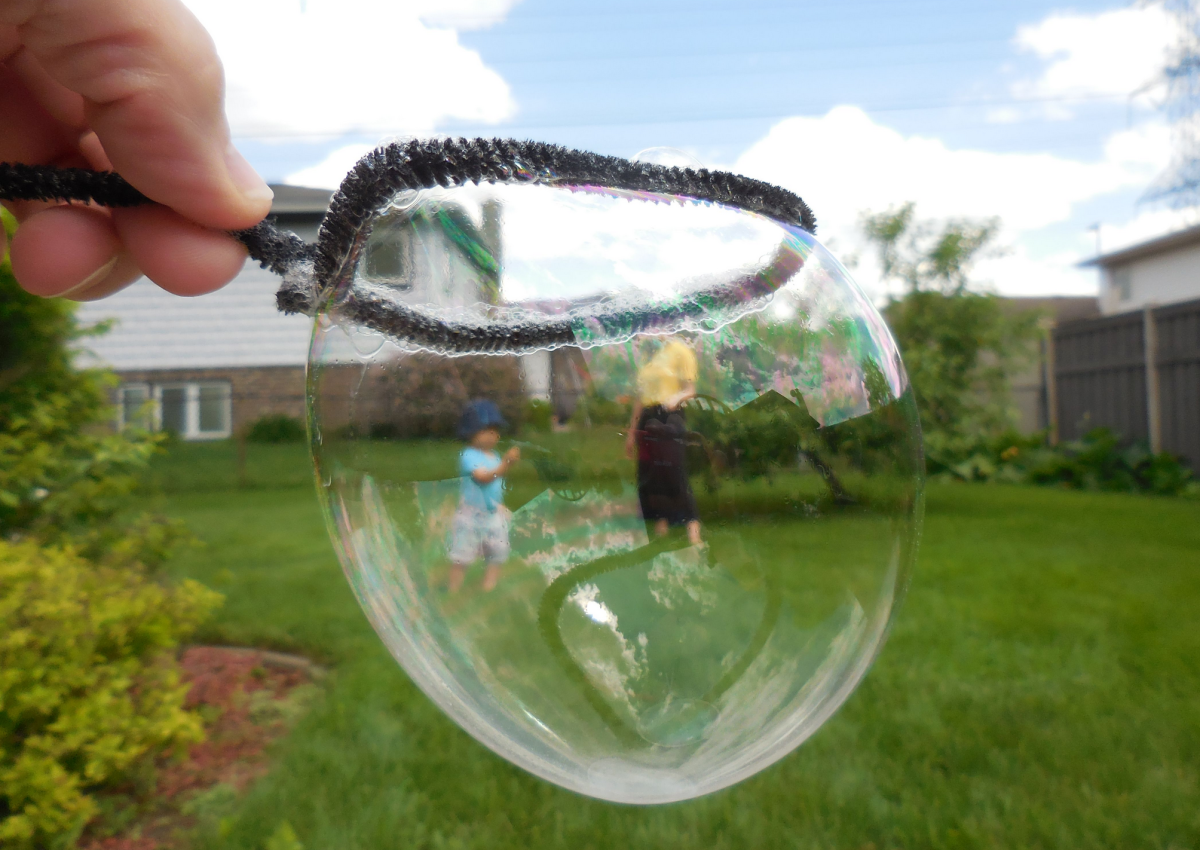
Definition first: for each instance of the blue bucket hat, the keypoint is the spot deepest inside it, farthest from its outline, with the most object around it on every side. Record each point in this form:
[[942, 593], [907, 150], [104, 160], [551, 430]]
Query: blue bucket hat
[[477, 415]]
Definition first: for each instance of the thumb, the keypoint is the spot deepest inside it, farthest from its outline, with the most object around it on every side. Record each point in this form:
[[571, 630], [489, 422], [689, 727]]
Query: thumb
[[153, 91]]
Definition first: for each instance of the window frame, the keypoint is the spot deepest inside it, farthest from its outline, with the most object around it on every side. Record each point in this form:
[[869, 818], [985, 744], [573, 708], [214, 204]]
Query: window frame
[[191, 408], [150, 420]]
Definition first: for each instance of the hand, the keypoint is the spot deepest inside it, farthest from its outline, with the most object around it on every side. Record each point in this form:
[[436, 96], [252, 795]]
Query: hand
[[133, 86], [512, 456]]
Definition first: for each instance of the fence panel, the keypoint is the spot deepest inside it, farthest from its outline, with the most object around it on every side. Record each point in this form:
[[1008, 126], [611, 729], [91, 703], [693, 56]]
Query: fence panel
[[1178, 360], [1100, 377], [1100, 372]]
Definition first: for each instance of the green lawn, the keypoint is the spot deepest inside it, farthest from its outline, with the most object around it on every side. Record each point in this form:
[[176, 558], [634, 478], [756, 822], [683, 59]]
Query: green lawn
[[1041, 689]]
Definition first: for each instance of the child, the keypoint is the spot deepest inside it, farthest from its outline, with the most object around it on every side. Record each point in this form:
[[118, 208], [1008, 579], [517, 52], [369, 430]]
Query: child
[[656, 433], [480, 526]]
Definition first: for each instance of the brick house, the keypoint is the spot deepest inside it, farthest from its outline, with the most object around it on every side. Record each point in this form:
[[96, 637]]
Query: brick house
[[205, 368]]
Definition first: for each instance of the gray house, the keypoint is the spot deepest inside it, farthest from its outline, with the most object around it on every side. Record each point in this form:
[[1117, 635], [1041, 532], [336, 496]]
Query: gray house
[[1163, 270], [210, 365], [206, 368]]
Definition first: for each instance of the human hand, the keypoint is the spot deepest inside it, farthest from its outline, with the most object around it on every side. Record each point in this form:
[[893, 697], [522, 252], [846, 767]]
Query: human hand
[[512, 456], [133, 86]]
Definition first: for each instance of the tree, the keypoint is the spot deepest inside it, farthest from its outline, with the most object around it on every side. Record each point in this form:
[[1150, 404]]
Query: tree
[[65, 476], [959, 345], [1179, 185]]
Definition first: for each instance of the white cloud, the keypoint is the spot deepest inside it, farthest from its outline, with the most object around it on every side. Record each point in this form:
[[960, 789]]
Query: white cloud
[[843, 163], [1147, 225], [1017, 273], [1113, 53], [332, 67], [328, 173], [464, 14]]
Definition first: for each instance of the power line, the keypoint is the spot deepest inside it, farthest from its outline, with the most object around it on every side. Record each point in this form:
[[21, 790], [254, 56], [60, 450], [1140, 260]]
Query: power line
[[494, 60], [507, 127]]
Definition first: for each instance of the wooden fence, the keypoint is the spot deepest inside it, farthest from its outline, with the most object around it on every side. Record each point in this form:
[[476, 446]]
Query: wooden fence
[[1136, 373]]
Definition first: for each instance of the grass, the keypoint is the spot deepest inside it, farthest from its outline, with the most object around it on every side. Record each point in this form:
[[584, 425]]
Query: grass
[[1041, 688]]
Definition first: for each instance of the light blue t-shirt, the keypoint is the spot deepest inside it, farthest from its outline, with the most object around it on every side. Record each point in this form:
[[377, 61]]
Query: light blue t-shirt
[[486, 497]]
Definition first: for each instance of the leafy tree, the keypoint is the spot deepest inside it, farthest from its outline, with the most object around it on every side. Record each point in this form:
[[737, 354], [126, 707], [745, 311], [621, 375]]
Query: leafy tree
[[65, 476], [959, 345], [89, 686]]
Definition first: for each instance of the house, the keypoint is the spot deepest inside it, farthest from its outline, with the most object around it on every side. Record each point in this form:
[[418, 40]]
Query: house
[[206, 367], [1164, 270]]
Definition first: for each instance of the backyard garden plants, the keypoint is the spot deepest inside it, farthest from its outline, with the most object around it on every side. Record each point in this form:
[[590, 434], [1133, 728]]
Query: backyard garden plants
[[90, 692]]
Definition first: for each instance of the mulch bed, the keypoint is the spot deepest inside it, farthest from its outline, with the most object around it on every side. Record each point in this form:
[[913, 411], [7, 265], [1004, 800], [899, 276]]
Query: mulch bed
[[243, 695]]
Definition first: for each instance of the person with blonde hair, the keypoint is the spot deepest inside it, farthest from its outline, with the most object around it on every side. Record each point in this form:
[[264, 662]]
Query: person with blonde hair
[[657, 429]]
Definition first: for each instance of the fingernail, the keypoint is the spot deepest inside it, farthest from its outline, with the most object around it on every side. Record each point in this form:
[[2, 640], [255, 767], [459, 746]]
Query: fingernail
[[92, 279], [252, 187]]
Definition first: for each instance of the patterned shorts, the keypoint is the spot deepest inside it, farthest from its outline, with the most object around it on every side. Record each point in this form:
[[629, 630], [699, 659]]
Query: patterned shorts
[[477, 533]]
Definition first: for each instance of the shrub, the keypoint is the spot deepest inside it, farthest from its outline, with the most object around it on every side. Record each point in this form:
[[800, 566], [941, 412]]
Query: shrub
[[538, 414], [1101, 460], [88, 683], [276, 428], [65, 477]]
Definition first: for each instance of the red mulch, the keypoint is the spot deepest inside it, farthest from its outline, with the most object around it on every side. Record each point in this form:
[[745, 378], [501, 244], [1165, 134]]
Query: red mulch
[[234, 749]]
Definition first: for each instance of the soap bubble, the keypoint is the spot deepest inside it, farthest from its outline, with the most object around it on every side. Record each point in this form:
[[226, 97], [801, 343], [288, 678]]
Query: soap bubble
[[640, 618]]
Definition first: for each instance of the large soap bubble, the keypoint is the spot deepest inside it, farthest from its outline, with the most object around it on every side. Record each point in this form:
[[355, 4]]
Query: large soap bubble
[[718, 496]]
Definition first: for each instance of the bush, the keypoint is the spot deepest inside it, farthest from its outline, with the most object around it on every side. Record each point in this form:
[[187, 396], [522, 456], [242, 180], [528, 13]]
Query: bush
[[1098, 461], [88, 683], [65, 477], [277, 428], [538, 415]]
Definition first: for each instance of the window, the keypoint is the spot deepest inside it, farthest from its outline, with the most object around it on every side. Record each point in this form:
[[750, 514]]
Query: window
[[195, 411], [1123, 284], [388, 254], [133, 407]]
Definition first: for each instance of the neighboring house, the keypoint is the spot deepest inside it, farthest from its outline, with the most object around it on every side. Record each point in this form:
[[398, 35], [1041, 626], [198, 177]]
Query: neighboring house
[[1164, 270], [206, 367]]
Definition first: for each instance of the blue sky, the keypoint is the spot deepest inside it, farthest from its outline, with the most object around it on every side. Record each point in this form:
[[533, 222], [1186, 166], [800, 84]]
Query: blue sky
[[1020, 109]]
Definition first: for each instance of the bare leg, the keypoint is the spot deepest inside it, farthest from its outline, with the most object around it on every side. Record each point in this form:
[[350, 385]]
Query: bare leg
[[491, 577], [693, 532], [660, 527], [458, 573]]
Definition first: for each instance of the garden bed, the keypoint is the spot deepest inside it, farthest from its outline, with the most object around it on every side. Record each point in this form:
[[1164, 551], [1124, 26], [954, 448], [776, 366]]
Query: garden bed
[[247, 698]]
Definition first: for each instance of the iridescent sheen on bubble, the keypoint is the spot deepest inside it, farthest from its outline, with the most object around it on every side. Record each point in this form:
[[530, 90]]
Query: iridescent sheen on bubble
[[615, 656]]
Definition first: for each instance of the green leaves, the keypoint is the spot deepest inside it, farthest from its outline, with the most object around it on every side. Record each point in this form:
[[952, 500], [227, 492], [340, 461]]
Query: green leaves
[[959, 346], [88, 684]]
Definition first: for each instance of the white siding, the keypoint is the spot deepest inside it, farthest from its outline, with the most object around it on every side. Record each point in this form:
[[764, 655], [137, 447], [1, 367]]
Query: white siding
[[236, 326], [1165, 278]]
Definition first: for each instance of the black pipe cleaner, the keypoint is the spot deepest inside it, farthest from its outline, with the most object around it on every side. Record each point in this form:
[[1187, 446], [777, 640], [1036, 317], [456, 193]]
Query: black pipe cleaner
[[309, 271]]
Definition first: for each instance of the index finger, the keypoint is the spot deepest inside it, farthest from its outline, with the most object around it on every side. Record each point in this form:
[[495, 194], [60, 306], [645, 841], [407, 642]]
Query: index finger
[[153, 91]]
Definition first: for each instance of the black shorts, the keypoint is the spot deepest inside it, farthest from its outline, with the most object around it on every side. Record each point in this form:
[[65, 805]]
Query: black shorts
[[663, 487]]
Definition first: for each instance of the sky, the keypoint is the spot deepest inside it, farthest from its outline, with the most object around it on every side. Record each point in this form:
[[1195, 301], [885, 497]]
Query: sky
[[1042, 114]]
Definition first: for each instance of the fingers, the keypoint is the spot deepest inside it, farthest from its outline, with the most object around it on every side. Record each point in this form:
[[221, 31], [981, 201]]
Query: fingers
[[62, 250], [152, 89], [177, 254], [84, 253]]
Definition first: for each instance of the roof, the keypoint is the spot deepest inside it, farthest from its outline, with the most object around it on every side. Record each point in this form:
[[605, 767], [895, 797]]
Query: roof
[[1062, 308], [292, 200], [1158, 245]]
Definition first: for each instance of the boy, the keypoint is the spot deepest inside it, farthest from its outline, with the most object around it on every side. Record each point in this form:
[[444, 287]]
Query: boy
[[480, 526]]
